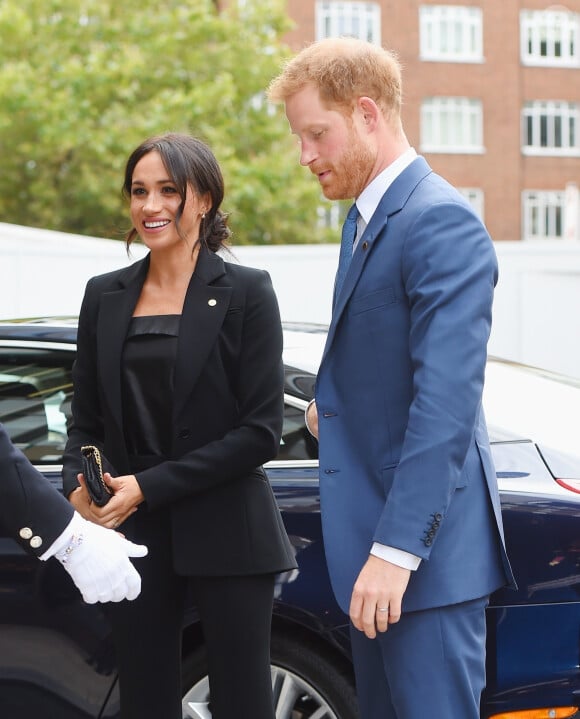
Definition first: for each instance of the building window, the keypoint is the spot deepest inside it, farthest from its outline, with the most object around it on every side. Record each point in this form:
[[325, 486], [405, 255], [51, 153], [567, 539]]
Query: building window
[[551, 128], [543, 215], [451, 124], [354, 19], [329, 215], [474, 196], [451, 33], [550, 37]]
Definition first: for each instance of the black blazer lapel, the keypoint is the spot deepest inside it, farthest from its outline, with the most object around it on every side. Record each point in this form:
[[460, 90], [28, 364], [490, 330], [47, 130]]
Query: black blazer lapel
[[206, 303], [115, 312]]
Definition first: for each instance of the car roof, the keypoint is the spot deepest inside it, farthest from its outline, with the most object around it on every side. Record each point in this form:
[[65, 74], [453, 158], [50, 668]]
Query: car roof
[[520, 401], [303, 341], [532, 402]]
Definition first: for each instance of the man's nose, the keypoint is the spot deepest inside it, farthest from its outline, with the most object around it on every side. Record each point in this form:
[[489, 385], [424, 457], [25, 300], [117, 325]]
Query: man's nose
[[307, 154]]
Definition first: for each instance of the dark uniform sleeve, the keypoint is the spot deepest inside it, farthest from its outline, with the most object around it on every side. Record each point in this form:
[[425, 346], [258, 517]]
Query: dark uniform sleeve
[[32, 511]]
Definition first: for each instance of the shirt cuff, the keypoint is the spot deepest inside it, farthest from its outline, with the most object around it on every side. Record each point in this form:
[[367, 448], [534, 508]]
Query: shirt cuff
[[396, 556], [75, 526]]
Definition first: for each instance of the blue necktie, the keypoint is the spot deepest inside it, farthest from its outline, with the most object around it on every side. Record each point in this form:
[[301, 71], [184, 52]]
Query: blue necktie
[[346, 244]]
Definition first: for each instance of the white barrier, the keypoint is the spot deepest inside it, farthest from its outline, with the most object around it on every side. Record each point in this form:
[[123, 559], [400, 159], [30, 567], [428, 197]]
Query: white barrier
[[536, 312]]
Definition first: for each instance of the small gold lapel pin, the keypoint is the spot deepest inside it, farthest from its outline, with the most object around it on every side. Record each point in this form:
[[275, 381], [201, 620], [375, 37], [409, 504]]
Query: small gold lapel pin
[[212, 302]]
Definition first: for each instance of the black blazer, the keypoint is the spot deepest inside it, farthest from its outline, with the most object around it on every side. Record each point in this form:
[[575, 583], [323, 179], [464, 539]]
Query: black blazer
[[227, 413], [31, 511]]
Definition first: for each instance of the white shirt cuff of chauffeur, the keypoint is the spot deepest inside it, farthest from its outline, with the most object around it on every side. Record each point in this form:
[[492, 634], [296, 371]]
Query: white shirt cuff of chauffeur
[[312, 401], [75, 526], [396, 556]]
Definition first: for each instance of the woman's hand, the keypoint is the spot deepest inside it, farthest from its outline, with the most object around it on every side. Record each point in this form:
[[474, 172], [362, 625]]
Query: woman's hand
[[80, 499], [125, 500], [127, 496]]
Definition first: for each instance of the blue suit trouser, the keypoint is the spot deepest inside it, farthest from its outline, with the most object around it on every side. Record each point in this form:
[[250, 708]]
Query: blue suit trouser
[[431, 663]]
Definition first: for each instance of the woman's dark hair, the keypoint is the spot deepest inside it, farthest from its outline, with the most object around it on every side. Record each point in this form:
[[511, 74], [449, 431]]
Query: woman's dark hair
[[188, 161]]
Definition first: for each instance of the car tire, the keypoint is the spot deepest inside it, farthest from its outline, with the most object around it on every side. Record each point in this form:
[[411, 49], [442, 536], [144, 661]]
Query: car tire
[[317, 685]]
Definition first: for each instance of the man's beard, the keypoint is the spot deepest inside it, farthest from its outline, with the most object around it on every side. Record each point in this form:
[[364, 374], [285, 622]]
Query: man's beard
[[351, 173]]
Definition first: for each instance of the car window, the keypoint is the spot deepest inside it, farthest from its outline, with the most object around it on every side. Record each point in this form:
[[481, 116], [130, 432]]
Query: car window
[[35, 407], [35, 397], [297, 443]]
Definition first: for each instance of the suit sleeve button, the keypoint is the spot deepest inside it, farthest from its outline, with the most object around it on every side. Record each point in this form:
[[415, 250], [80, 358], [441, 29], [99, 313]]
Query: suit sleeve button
[[35, 542], [25, 533], [184, 433]]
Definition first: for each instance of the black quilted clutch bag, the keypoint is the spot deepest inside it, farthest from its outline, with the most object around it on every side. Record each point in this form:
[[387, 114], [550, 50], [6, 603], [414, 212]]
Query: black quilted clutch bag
[[94, 465]]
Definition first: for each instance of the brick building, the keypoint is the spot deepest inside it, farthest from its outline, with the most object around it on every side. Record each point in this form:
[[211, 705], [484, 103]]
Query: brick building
[[491, 98]]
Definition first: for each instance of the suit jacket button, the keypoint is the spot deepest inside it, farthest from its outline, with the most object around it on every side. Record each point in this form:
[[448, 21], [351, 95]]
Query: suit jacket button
[[35, 542], [365, 245], [184, 433], [25, 533]]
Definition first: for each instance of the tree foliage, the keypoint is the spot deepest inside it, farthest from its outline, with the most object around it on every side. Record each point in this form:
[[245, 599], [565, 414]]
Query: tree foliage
[[82, 82]]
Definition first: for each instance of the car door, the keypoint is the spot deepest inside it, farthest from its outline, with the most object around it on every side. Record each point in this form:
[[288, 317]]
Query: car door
[[56, 655]]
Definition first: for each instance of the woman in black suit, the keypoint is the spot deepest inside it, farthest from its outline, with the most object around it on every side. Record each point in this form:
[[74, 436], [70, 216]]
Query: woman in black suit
[[179, 380]]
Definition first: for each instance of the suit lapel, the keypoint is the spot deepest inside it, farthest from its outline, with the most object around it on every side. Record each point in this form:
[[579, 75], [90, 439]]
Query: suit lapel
[[204, 310], [391, 202], [116, 310]]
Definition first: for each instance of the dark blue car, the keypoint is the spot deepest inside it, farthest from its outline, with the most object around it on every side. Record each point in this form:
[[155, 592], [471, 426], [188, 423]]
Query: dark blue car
[[56, 655]]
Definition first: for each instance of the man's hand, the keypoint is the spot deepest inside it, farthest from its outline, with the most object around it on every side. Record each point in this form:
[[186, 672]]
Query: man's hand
[[377, 596], [97, 559], [312, 419]]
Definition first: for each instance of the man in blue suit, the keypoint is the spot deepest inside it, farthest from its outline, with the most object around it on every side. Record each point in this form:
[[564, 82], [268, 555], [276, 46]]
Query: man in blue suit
[[409, 499]]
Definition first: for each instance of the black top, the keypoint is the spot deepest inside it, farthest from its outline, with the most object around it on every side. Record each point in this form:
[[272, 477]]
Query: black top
[[148, 385]]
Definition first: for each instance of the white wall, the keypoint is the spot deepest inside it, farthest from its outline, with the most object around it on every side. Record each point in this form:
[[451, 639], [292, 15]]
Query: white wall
[[537, 305], [536, 308], [45, 273], [536, 311]]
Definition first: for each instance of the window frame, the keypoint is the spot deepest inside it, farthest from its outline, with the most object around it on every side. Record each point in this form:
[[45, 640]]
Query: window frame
[[553, 28], [440, 25], [550, 206], [468, 111], [336, 18], [548, 119], [475, 197]]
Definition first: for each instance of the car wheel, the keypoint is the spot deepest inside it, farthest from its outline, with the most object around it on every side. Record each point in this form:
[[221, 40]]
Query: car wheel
[[305, 684]]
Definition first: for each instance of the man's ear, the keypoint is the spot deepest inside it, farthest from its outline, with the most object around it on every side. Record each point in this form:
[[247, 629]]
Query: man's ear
[[368, 112]]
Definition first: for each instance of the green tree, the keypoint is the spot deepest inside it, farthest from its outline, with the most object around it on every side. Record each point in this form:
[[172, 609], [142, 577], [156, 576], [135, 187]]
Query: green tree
[[82, 82]]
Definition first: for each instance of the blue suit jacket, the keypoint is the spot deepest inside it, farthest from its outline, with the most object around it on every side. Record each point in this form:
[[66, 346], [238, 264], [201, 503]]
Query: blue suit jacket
[[404, 452]]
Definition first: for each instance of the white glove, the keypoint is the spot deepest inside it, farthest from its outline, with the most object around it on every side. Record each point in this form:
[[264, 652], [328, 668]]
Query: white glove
[[97, 559]]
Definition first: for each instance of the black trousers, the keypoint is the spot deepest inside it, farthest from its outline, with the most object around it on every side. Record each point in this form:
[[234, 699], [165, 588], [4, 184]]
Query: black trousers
[[235, 614]]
